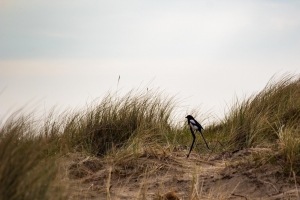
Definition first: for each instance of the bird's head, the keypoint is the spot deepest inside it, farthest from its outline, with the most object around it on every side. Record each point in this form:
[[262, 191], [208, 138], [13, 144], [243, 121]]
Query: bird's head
[[189, 117]]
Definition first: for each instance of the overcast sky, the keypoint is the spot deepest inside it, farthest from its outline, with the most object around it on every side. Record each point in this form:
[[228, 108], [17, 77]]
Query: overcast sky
[[70, 52]]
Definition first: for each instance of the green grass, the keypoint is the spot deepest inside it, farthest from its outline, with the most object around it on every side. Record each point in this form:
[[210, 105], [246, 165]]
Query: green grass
[[141, 122]]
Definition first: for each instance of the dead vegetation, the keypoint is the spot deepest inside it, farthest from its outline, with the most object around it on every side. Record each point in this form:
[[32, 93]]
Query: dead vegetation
[[130, 148]]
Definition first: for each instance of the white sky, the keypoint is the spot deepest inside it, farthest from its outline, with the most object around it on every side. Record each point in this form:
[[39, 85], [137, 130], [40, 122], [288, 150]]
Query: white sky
[[70, 52]]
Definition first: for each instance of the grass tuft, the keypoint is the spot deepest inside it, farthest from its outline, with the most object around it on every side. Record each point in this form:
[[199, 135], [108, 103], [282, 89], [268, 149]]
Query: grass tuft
[[115, 120], [26, 172], [255, 120]]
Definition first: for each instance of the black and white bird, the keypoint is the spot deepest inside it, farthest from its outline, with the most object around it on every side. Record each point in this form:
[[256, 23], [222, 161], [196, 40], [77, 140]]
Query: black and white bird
[[194, 126]]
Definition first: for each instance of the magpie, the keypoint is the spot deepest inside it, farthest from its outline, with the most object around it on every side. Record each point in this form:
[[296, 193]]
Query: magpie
[[194, 126]]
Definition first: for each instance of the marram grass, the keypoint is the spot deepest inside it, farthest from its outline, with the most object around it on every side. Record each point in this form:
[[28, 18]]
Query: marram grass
[[123, 128]]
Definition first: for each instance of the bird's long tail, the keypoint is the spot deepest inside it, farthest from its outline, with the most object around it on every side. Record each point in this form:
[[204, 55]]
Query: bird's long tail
[[204, 139]]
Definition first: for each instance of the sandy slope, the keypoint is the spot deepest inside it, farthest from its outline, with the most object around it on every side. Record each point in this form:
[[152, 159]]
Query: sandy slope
[[239, 175]]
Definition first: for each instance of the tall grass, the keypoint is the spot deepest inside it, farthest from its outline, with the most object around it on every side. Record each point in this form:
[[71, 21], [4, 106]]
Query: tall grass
[[135, 122], [26, 172], [270, 118], [29, 149], [116, 119], [257, 119]]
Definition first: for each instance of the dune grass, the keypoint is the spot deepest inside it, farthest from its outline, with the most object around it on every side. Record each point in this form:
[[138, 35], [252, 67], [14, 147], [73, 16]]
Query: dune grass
[[115, 120], [123, 128], [270, 118], [26, 171], [134, 122]]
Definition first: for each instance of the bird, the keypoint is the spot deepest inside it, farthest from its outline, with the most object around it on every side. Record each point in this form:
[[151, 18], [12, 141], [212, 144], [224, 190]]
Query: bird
[[195, 126]]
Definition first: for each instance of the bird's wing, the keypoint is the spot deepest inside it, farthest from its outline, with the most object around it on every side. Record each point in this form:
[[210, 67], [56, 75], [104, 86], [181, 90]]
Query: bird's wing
[[199, 125], [194, 125], [193, 122]]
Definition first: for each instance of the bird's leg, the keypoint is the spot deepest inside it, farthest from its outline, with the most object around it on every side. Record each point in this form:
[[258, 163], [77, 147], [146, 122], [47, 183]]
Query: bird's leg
[[194, 137], [204, 139]]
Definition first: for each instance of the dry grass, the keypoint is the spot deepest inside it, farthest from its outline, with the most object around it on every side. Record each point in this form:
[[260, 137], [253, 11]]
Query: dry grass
[[118, 139], [26, 171], [258, 120], [116, 128], [116, 120], [289, 148]]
